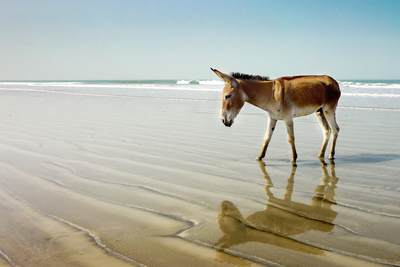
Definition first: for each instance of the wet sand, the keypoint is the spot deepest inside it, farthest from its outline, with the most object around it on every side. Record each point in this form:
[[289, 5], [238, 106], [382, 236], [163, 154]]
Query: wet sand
[[113, 181]]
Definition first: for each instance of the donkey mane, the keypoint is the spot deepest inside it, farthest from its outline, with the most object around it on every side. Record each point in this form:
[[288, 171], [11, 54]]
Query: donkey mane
[[244, 76]]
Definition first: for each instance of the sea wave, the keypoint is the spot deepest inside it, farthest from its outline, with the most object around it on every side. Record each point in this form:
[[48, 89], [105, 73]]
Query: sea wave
[[187, 82], [370, 94], [42, 83], [178, 85], [383, 96], [112, 82], [180, 97], [388, 84], [162, 83], [370, 108], [202, 82]]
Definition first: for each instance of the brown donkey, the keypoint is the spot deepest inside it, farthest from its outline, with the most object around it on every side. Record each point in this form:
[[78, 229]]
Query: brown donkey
[[284, 98]]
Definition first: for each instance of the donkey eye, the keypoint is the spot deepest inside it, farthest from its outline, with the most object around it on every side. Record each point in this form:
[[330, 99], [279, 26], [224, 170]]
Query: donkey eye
[[227, 97]]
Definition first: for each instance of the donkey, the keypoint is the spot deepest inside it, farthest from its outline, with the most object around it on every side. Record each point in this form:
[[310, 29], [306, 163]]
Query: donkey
[[284, 98]]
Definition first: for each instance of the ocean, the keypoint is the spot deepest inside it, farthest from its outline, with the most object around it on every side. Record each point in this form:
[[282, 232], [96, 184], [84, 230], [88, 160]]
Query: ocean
[[356, 94]]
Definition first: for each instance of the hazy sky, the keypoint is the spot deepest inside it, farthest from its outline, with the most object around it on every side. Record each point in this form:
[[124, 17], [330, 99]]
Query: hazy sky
[[140, 39]]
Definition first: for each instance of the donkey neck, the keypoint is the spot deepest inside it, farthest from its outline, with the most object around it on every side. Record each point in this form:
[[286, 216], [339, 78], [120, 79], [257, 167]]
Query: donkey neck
[[258, 93]]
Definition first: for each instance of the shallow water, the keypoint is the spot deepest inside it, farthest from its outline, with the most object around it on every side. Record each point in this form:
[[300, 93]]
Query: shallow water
[[154, 181]]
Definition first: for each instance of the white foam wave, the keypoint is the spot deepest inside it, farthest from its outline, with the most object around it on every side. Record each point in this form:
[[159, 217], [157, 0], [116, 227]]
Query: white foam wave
[[182, 82], [188, 86], [43, 83], [371, 108], [212, 82], [370, 85], [371, 94]]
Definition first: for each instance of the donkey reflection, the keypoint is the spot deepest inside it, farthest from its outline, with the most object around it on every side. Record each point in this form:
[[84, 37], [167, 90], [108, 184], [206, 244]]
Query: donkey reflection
[[281, 217]]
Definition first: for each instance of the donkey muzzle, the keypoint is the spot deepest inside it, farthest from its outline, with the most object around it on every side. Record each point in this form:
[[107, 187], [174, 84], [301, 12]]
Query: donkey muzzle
[[227, 122]]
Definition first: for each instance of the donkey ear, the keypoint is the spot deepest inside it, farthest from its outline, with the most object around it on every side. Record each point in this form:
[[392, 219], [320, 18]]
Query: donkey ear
[[225, 77]]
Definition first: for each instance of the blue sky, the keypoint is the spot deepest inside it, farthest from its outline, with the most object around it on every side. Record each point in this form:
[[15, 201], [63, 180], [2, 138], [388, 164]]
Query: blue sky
[[138, 39]]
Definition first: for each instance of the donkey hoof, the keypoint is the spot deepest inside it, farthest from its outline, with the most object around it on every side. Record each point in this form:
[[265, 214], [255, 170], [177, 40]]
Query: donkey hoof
[[260, 157]]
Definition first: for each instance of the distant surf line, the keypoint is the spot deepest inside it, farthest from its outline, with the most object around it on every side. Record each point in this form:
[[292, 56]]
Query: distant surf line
[[370, 108], [370, 95], [163, 98], [144, 86], [163, 87]]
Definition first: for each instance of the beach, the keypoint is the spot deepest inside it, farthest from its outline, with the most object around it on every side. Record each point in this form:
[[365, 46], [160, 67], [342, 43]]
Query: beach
[[147, 175]]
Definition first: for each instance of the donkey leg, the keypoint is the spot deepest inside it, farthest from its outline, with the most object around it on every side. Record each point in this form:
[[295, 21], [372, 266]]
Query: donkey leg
[[326, 131], [290, 132], [267, 138], [331, 118]]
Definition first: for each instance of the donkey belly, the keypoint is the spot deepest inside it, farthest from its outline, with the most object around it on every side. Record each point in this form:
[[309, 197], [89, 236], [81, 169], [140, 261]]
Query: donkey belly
[[304, 111], [290, 113]]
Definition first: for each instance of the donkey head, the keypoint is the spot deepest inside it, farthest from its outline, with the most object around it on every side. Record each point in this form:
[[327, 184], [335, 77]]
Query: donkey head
[[233, 98]]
